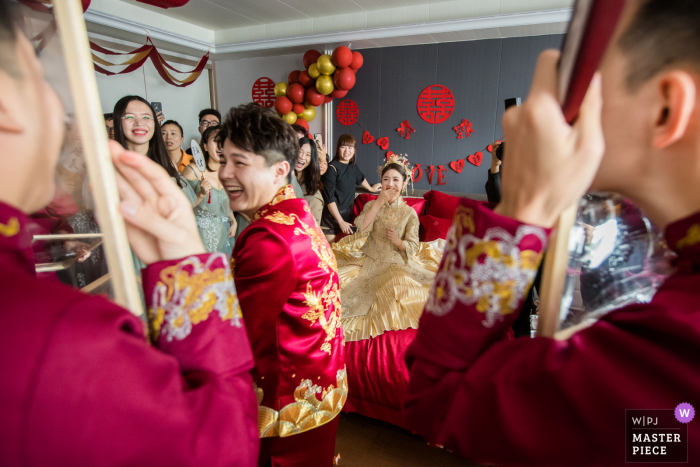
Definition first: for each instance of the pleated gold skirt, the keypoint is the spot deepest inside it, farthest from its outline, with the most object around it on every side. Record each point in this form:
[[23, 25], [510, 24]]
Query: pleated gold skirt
[[383, 296]]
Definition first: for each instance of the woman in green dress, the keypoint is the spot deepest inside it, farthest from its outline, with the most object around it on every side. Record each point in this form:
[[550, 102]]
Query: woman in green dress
[[211, 206]]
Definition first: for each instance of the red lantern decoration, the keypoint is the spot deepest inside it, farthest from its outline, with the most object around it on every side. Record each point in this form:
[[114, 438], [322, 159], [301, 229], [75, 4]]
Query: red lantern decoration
[[305, 80], [357, 60], [339, 93], [264, 92], [435, 104], [344, 79], [295, 92], [310, 57], [347, 112], [298, 108], [342, 57], [293, 77], [327, 99], [314, 97], [301, 122], [283, 105]]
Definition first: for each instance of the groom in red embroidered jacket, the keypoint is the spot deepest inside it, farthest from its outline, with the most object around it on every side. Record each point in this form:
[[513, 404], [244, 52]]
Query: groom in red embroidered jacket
[[80, 384], [546, 402]]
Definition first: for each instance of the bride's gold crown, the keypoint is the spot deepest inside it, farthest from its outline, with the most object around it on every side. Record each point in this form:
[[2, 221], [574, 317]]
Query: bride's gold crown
[[399, 159]]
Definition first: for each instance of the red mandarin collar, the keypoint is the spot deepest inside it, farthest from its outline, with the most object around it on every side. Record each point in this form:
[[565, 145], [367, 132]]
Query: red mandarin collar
[[16, 238], [683, 237], [283, 194]]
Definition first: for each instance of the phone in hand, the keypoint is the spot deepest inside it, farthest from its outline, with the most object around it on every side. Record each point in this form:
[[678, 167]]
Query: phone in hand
[[319, 139], [157, 107]]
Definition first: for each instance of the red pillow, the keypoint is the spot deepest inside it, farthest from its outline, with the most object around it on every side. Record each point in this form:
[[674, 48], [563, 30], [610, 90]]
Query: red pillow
[[435, 228], [441, 205], [418, 204]]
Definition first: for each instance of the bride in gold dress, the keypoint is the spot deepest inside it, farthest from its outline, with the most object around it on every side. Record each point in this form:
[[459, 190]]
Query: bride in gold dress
[[385, 272]]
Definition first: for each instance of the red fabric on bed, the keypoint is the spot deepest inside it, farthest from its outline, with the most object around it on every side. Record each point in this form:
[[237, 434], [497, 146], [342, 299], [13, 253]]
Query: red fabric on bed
[[434, 228], [441, 205], [377, 375], [418, 204]]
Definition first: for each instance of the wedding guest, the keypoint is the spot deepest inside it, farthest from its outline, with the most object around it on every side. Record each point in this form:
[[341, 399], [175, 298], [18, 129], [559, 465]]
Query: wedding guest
[[339, 183], [173, 136], [81, 384], [109, 125], [309, 177]]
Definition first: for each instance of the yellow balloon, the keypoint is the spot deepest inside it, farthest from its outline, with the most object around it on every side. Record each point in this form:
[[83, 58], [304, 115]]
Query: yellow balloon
[[325, 65], [281, 89], [324, 85], [313, 71], [290, 118], [308, 114]]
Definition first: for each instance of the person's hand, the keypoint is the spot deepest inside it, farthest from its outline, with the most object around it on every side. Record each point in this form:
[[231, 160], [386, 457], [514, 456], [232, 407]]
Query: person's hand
[[393, 237], [346, 227], [495, 161], [550, 163], [204, 188], [160, 117], [159, 218], [387, 195], [321, 149], [376, 187], [81, 250]]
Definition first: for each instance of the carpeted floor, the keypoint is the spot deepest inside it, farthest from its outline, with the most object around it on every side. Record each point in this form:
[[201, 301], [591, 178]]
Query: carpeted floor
[[365, 442]]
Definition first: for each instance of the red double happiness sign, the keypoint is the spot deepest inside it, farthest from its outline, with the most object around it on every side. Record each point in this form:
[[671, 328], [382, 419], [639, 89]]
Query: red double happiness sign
[[436, 103]]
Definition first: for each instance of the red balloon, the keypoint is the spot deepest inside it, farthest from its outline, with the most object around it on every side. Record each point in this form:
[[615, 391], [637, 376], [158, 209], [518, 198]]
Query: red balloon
[[314, 97], [357, 61], [305, 80], [310, 57], [342, 57], [327, 99], [302, 122], [298, 108], [338, 93], [283, 105], [293, 77], [344, 79], [295, 92]]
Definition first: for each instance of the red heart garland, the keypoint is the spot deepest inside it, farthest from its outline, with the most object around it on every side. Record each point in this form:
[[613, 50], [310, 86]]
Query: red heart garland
[[389, 154], [383, 143], [457, 166], [367, 138], [476, 158]]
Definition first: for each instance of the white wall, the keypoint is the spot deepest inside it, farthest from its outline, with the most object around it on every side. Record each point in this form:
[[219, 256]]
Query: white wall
[[235, 79], [179, 104]]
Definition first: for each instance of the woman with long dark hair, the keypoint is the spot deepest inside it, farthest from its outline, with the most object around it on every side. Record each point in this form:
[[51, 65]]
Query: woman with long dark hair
[[339, 183], [212, 209], [385, 272], [309, 176], [137, 129]]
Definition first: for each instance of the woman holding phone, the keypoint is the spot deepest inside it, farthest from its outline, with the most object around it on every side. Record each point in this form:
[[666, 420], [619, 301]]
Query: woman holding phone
[[339, 183]]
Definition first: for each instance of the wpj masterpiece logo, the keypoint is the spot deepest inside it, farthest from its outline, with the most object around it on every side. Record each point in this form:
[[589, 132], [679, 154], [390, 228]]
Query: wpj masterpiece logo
[[658, 435]]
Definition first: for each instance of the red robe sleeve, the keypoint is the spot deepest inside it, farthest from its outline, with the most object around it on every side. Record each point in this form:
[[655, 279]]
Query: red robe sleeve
[[187, 400], [538, 402], [265, 277]]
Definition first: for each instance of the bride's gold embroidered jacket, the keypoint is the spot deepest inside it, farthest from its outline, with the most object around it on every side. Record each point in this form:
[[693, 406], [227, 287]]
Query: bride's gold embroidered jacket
[[287, 282]]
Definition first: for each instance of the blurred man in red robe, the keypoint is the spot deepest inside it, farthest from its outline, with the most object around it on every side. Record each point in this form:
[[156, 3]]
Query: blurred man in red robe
[[80, 383], [546, 402], [287, 280]]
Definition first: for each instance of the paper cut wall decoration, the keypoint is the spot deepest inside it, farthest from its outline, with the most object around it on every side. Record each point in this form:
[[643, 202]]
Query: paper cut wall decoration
[[476, 158], [464, 129], [383, 143], [435, 104], [347, 112], [264, 92], [367, 138], [457, 165], [405, 130]]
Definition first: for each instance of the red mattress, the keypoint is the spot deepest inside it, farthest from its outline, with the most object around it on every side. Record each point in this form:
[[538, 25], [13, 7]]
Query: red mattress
[[377, 375]]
